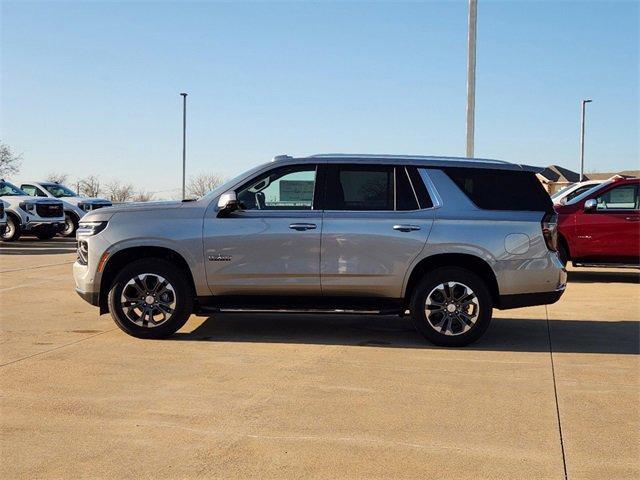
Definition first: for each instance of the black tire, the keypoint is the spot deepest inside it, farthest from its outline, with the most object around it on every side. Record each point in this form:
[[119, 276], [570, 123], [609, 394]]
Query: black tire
[[182, 296], [70, 225], [13, 232], [458, 337], [563, 254], [45, 235]]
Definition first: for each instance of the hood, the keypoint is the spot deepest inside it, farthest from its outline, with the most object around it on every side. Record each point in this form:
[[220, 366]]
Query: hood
[[12, 199], [135, 207], [76, 200]]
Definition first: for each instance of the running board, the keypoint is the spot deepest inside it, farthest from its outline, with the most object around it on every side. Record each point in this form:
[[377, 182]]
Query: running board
[[605, 265], [301, 305], [299, 311]]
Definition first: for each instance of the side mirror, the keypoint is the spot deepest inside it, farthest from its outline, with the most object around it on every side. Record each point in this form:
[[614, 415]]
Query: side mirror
[[590, 205], [227, 203]]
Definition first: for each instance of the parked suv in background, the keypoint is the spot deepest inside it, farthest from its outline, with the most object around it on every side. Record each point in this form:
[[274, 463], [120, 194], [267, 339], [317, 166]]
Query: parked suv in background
[[360, 233], [602, 225], [572, 191], [75, 206], [42, 217]]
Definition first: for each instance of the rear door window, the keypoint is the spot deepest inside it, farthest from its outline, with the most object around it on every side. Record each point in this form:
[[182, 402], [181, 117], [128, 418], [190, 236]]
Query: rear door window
[[501, 189], [360, 187]]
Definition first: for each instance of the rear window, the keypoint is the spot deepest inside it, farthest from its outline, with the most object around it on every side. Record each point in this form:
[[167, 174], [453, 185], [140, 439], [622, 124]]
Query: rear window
[[501, 189]]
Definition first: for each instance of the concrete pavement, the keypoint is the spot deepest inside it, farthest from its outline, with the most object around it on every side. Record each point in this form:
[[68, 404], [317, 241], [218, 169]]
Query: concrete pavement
[[276, 396]]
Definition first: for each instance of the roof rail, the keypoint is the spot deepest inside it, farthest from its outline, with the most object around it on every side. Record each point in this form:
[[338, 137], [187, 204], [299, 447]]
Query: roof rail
[[279, 158], [404, 157]]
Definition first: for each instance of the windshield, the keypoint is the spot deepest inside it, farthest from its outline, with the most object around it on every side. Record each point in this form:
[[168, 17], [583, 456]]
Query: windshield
[[560, 192], [9, 190], [584, 195], [220, 189], [60, 191]]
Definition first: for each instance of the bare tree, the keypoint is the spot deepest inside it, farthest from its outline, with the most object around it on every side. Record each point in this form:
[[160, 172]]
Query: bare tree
[[203, 183], [89, 186], [119, 192], [57, 177], [9, 161], [143, 196]]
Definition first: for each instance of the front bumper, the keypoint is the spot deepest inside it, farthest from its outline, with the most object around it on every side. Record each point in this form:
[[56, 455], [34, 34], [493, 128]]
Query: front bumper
[[43, 226], [91, 297]]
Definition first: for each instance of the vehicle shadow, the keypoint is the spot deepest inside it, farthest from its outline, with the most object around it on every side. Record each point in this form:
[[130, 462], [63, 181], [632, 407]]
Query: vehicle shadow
[[511, 334], [632, 276]]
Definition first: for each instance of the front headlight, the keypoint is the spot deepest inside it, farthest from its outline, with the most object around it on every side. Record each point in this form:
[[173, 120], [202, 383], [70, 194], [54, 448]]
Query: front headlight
[[28, 207], [90, 228]]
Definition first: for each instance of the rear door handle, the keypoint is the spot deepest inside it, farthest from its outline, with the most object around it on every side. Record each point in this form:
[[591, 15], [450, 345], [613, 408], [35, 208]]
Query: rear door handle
[[406, 228], [302, 226], [632, 219]]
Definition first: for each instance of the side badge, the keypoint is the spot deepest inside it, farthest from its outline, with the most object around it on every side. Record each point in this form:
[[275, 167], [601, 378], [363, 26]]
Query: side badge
[[219, 258]]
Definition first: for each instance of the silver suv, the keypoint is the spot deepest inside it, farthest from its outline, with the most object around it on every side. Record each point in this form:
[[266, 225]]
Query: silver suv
[[443, 239]]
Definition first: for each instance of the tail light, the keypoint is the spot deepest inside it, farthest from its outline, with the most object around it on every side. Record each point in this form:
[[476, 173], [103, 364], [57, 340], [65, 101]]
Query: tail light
[[550, 230]]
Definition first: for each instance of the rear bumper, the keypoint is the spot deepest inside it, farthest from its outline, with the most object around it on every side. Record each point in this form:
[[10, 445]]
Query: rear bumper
[[528, 299]]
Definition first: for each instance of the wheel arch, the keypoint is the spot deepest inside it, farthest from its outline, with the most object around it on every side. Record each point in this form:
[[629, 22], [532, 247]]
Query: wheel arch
[[463, 260], [73, 213], [123, 257]]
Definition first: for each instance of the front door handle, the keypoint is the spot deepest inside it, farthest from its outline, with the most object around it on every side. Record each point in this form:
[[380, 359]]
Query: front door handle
[[406, 228], [302, 226], [632, 219]]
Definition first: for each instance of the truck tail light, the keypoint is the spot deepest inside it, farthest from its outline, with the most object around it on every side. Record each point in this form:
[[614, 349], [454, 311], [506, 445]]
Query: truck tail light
[[549, 226]]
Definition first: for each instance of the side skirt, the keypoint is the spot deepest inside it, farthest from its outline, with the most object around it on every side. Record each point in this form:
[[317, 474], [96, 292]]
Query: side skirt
[[300, 304]]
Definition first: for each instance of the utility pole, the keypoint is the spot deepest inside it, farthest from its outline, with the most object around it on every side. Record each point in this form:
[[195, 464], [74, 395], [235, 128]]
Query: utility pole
[[584, 103], [184, 142], [471, 76]]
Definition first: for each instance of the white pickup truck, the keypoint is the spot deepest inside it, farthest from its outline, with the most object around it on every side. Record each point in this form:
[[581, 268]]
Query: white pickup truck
[[42, 217], [75, 206]]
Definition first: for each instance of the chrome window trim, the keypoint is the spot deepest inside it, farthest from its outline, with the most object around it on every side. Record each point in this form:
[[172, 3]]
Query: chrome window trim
[[415, 195], [436, 199]]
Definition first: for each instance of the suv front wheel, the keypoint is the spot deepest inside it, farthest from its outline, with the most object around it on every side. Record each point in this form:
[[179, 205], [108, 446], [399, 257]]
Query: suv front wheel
[[451, 307], [150, 298]]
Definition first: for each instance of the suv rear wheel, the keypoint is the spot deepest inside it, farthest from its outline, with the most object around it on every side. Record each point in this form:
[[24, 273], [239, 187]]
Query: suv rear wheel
[[150, 298], [451, 307]]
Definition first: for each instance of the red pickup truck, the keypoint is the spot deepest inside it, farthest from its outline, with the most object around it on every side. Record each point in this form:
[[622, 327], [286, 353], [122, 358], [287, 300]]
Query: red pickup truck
[[602, 225]]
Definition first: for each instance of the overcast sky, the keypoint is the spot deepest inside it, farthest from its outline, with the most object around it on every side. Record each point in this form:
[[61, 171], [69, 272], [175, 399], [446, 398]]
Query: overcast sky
[[93, 88]]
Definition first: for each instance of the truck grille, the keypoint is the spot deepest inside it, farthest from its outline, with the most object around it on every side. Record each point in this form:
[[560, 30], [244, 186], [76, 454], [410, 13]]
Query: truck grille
[[1, 209], [48, 210]]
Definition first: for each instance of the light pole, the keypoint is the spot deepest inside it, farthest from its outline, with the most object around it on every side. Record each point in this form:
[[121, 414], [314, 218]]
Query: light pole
[[471, 76], [184, 142], [584, 103]]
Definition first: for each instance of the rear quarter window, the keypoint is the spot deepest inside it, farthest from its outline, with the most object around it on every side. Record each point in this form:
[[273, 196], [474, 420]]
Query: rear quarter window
[[501, 189]]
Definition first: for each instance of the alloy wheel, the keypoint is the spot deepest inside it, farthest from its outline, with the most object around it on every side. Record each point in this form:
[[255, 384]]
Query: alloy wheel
[[148, 300], [452, 308]]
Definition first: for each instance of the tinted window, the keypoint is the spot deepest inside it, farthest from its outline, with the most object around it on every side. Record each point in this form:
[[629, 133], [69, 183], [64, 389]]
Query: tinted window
[[501, 189], [624, 197], [30, 189], [360, 187], [578, 191], [421, 190], [285, 188], [405, 195]]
